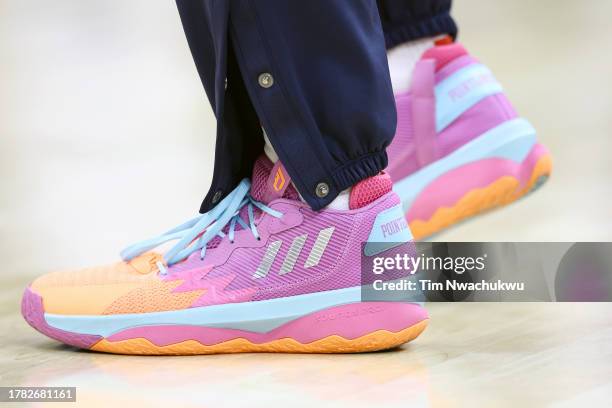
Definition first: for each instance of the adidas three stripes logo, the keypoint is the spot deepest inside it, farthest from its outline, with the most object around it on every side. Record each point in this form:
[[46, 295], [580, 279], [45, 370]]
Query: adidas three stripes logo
[[314, 257]]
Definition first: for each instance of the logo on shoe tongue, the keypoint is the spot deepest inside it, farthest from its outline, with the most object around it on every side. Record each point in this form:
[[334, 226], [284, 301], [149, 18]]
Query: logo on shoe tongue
[[279, 180], [277, 183]]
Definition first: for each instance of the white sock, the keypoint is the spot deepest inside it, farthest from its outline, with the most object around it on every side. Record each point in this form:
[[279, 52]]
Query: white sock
[[402, 60], [268, 149], [340, 203]]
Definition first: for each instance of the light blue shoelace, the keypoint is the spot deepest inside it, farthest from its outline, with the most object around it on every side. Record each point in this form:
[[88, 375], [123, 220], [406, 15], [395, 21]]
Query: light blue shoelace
[[209, 224]]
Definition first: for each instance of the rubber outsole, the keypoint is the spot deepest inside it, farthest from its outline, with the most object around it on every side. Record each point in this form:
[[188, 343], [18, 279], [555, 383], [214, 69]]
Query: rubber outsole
[[375, 341], [503, 191], [365, 327]]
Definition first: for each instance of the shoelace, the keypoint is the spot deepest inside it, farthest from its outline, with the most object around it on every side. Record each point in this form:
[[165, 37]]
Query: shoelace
[[207, 226]]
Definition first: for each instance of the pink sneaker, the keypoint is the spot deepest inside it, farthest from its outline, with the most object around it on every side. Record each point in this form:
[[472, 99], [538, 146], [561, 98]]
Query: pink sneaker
[[259, 272], [460, 148]]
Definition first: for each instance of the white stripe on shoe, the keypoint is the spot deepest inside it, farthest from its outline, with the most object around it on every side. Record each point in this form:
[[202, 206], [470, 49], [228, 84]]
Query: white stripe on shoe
[[319, 247], [293, 254], [267, 260]]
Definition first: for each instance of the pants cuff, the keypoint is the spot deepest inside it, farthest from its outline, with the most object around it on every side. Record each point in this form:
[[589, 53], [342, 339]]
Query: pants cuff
[[354, 171], [410, 31]]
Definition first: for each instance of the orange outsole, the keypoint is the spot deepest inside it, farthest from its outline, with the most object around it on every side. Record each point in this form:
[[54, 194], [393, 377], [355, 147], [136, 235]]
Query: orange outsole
[[375, 341], [503, 191]]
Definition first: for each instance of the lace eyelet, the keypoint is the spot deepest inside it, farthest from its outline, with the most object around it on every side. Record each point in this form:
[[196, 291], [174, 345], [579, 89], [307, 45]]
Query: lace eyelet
[[259, 238]]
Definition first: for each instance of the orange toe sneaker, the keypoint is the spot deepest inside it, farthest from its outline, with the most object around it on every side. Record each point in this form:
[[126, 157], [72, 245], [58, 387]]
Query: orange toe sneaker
[[260, 272]]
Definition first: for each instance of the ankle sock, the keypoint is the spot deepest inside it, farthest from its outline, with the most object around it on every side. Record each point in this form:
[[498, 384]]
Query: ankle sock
[[402, 60], [268, 149], [341, 202]]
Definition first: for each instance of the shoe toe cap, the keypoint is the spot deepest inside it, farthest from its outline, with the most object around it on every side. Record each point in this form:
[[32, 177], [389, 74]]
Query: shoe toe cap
[[87, 291], [113, 289]]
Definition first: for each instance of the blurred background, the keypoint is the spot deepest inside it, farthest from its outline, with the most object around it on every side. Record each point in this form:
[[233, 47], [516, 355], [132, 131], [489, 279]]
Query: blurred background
[[106, 137]]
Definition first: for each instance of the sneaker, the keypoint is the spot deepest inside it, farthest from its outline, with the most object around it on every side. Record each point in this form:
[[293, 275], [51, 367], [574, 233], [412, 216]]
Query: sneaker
[[261, 272], [460, 147]]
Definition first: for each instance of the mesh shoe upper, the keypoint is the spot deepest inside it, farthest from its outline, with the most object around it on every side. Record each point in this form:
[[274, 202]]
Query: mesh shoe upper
[[301, 252]]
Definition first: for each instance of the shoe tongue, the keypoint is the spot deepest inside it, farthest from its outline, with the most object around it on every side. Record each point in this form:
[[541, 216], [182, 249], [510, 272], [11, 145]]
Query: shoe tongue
[[444, 54], [268, 182], [271, 181]]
